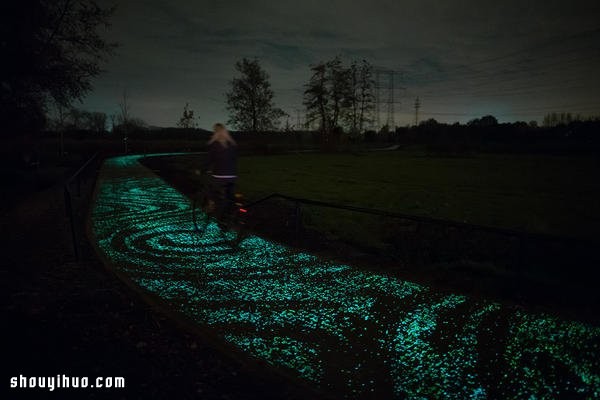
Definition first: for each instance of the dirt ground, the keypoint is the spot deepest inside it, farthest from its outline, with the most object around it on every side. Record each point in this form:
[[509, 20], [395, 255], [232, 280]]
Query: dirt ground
[[75, 318]]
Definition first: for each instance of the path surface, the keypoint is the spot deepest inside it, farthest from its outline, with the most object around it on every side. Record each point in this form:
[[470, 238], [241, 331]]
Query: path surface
[[356, 333]]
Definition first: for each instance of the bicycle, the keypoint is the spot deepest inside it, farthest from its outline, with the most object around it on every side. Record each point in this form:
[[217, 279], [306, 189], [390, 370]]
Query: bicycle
[[209, 205]]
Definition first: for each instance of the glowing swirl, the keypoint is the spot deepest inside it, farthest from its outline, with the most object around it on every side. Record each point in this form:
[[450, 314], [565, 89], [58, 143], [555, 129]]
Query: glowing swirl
[[355, 332]]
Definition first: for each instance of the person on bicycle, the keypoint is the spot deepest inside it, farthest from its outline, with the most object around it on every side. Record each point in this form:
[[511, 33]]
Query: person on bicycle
[[221, 167]]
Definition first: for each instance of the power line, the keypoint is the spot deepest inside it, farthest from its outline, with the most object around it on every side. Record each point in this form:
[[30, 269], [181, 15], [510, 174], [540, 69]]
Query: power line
[[556, 61], [506, 114], [417, 107], [377, 99], [516, 76], [512, 93], [390, 106], [386, 86], [537, 47], [527, 75]]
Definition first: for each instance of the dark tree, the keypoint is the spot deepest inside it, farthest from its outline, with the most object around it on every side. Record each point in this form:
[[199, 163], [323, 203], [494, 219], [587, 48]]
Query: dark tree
[[124, 110], [485, 121], [316, 97], [250, 100], [340, 90], [328, 95], [488, 120], [51, 50], [429, 123], [76, 119], [97, 121], [361, 96], [187, 120], [565, 118]]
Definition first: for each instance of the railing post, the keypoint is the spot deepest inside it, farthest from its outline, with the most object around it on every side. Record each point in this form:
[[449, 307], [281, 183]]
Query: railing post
[[298, 219], [69, 212], [81, 174], [68, 209]]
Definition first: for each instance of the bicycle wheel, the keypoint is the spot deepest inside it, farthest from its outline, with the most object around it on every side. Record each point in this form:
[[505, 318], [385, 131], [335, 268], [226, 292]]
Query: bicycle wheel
[[200, 214], [238, 226], [240, 233]]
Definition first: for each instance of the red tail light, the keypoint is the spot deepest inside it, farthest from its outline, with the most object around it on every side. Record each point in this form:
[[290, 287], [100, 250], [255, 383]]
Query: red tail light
[[243, 210]]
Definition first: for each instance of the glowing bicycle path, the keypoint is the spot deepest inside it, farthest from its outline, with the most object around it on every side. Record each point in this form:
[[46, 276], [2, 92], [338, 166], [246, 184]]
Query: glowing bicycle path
[[357, 333]]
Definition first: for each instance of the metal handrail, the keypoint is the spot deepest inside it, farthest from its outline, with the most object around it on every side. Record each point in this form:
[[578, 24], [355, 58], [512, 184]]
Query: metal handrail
[[84, 166], [417, 218], [69, 200]]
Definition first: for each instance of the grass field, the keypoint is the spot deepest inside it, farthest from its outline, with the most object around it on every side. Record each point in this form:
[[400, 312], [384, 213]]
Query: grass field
[[555, 195]]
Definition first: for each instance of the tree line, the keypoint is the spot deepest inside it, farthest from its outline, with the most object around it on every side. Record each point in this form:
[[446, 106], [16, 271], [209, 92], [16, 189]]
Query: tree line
[[52, 51], [336, 97]]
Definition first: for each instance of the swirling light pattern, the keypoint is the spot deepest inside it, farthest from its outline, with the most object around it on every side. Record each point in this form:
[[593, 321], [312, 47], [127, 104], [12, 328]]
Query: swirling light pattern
[[357, 333]]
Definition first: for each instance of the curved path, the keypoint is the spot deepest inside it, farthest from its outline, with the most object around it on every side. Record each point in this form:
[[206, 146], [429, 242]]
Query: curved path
[[343, 329]]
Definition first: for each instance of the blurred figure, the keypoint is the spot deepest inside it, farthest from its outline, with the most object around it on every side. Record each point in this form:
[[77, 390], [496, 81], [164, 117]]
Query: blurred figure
[[221, 167]]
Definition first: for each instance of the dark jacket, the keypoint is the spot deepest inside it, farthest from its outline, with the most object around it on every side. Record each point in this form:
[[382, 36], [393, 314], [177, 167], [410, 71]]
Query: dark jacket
[[221, 160]]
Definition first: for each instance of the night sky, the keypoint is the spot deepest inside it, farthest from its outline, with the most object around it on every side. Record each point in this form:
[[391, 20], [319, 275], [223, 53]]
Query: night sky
[[514, 59]]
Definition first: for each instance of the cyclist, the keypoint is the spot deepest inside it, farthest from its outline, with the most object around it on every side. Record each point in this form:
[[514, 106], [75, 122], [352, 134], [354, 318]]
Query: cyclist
[[221, 168]]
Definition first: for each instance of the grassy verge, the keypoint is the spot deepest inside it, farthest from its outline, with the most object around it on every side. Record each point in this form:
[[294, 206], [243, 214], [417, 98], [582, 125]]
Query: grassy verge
[[542, 194]]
